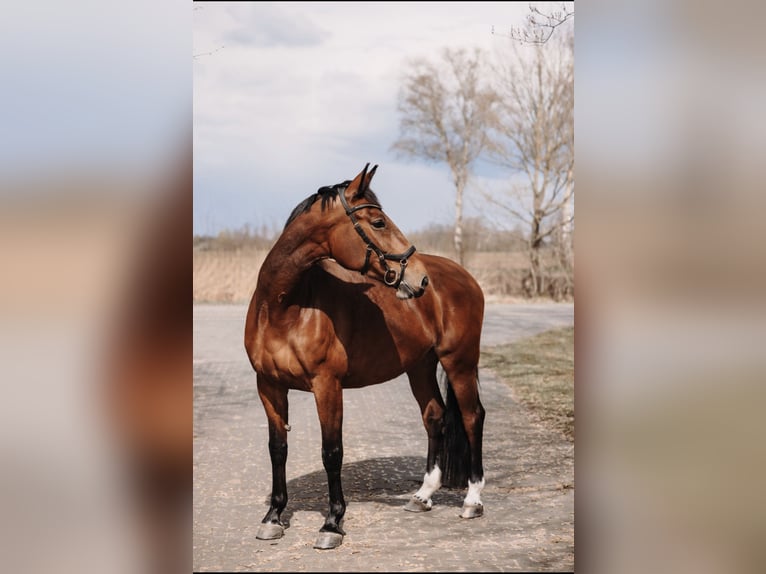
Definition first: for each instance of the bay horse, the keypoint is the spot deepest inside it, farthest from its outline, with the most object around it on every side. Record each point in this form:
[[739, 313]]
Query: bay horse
[[343, 300]]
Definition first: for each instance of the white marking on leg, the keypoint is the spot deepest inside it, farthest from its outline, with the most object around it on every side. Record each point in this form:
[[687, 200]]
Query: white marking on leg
[[431, 483], [473, 498]]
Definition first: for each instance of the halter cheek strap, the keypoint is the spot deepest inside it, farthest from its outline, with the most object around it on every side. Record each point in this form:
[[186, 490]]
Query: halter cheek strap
[[391, 277]]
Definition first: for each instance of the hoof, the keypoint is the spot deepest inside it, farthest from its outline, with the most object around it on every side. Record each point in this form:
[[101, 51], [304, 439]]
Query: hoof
[[473, 511], [417, 505], [328, 540], [270, 531]]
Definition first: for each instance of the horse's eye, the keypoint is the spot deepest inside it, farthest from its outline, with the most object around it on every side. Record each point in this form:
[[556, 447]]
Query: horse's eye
[[379, 224]]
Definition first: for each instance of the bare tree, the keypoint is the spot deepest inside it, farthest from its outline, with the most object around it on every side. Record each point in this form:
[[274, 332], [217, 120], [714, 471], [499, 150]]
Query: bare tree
[[446, 112], [540, 24], [536, 83]]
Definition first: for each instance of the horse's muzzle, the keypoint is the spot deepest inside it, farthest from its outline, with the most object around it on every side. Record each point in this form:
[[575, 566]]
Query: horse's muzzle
[[406, 291]]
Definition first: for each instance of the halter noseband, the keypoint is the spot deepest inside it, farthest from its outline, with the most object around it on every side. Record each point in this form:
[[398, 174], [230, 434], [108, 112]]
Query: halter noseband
[[391, 277]]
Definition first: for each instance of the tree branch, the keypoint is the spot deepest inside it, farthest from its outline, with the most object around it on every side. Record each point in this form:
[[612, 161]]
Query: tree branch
[[539, 26]]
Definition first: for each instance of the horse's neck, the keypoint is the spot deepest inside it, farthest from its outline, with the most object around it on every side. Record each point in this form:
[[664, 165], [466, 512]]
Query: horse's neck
[[284, 266]]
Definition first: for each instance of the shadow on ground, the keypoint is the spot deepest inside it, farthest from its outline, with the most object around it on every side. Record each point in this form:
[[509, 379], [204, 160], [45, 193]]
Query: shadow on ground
[[387, 480]]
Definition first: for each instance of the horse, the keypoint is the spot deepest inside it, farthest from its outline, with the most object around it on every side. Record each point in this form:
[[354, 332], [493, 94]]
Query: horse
[[343, 300]]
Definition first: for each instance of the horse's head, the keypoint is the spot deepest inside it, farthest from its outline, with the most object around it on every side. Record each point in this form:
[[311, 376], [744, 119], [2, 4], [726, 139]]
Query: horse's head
[[364, 239]]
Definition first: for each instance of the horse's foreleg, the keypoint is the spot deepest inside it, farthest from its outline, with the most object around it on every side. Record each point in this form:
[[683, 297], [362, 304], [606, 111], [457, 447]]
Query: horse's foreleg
[[329, 399], [426, 391], [274, 399]]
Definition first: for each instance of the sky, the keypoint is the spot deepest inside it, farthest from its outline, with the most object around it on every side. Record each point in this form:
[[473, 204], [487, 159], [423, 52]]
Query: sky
[[291, 96], [94, 85]]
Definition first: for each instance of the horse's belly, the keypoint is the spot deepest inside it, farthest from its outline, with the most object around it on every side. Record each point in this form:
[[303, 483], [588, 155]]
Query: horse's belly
[[359, 349], [372, 364]]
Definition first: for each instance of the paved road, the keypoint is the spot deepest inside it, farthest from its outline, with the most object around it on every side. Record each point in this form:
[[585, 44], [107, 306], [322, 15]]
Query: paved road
[[529, 496]]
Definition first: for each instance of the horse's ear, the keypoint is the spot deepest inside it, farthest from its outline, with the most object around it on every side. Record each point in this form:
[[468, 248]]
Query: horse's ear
[[357, 186], [367, 181], [361, 182]]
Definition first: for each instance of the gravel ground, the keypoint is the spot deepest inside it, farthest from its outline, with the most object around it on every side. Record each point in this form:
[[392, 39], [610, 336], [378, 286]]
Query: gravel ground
[[529, 495]]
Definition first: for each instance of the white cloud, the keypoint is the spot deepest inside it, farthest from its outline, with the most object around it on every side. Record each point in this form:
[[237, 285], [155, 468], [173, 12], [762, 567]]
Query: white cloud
[[89, 83], [269, 25], [306, 94]]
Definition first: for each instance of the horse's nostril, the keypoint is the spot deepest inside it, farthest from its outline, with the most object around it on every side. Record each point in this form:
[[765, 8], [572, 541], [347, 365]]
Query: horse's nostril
[[424, 282]]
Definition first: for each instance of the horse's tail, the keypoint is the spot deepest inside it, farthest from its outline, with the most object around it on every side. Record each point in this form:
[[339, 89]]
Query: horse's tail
[[456, 452]]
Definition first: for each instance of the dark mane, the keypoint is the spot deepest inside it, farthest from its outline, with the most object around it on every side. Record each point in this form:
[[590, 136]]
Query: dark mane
[[327, 193]]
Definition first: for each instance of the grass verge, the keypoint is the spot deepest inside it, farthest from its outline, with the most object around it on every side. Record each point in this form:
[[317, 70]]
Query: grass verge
[[540, 372]]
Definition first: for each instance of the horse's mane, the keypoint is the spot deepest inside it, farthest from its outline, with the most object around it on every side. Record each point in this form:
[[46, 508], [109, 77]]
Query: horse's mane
[[327, 193]]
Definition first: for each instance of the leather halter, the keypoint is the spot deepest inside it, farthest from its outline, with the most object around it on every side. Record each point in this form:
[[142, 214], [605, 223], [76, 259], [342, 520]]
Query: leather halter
[[391, 277]]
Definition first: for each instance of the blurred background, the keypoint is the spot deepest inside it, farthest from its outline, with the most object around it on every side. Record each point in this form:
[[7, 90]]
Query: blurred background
[[670, 315], [96, 215], [670, 136], [95, 295]]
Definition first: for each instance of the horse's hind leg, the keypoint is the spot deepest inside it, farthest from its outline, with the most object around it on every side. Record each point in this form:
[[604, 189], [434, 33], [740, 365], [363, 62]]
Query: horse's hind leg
[[464, 384], [426, 390], [274, 399]]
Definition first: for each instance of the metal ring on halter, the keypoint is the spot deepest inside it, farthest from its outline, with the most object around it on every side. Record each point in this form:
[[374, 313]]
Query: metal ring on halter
[[394, 280]]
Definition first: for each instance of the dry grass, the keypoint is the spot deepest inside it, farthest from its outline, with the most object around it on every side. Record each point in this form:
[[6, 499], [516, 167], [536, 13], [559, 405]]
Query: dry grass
[[229, 275], [226, 276], [498, 273], [540, 372]]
